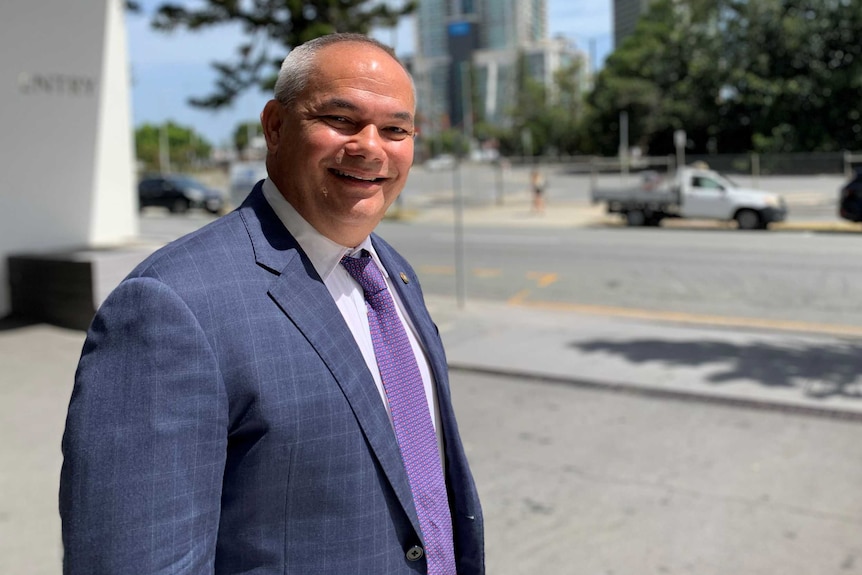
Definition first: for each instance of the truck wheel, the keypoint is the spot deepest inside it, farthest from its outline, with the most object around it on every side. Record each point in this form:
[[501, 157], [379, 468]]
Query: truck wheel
[[653, 221], [748, 220], [635, 218]]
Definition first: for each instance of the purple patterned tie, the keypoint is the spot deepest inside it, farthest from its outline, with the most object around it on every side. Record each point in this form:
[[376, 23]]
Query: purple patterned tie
[[411, 416]]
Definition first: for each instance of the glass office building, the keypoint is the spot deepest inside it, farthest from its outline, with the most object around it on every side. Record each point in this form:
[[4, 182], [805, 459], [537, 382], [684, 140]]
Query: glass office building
[[626, 16], [487, 36]]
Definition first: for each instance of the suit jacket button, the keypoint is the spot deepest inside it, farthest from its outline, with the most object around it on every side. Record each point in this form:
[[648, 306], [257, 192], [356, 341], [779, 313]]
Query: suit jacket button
[[415, 553]]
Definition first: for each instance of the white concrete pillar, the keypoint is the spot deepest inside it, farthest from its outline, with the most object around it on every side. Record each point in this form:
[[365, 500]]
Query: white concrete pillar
[[67, 176]]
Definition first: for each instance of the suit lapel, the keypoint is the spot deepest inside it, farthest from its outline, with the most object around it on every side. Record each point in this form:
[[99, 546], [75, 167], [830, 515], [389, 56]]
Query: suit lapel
[[411, 297], [301, 295]]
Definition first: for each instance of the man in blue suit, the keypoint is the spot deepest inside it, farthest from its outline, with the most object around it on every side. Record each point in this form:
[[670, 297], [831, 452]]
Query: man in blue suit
[[228, 414]]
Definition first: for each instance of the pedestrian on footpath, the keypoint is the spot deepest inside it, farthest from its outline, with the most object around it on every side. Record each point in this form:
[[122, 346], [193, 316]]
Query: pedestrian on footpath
[[269, 393], [537, 186]]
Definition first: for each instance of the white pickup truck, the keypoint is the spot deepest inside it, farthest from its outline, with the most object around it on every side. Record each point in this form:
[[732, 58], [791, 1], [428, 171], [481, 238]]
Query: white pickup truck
[[695, 193]]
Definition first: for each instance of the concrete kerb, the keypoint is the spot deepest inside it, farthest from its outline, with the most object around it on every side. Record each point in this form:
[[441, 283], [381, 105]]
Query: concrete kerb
[[730, 400]]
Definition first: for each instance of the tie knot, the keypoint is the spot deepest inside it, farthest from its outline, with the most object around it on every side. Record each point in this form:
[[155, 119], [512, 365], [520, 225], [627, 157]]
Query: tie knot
[[366, 273]]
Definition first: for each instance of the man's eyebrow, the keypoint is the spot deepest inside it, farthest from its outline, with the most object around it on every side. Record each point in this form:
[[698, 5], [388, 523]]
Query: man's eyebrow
[[343, 104], [340, 103]]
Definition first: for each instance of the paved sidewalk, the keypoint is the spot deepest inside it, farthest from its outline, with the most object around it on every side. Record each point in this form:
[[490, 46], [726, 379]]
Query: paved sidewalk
[[760, 368]]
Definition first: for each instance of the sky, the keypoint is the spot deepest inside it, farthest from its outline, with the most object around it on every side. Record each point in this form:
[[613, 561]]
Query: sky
[[168, 69]]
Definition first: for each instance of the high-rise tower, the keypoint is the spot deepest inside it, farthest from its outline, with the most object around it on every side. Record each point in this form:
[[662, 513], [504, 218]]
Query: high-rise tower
[[488, 35], [626, 16]]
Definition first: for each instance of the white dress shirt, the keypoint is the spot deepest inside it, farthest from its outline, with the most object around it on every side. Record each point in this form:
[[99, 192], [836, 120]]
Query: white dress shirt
[[325, 256]]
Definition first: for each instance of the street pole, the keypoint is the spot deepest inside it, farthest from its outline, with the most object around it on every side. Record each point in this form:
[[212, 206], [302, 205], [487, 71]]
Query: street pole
[[460, 290], [498, 181], [164, 150], [679, 140], [467, 128], [467, 101], [624, 142]]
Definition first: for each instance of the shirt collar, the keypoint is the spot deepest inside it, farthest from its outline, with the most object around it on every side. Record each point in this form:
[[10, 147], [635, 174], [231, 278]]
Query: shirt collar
[[325, 254]]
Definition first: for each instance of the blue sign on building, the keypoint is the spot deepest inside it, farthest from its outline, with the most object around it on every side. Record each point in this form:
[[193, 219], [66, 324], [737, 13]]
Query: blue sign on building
[[459, 28]]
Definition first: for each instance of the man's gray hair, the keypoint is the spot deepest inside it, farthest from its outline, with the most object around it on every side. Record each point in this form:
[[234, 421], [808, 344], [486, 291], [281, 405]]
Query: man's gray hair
[[299, 64]]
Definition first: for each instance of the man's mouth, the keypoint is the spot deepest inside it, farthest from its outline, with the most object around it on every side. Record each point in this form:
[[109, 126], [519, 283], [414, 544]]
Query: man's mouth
[[358, 178]]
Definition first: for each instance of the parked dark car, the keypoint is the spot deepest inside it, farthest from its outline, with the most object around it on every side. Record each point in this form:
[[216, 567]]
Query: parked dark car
[[850, 200], [179, 194]]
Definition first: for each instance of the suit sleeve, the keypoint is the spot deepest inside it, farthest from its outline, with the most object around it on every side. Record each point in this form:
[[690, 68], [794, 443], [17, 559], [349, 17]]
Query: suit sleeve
[[145, 440]]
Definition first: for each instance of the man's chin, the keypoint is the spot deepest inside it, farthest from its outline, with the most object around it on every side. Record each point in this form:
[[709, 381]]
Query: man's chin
[[372, 207]]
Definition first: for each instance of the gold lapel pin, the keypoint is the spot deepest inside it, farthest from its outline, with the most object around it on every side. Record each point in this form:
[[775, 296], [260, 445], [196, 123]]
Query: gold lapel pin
[[404, 278]]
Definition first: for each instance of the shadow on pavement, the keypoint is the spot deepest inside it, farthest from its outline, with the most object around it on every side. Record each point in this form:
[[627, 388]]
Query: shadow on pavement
[[818, 370]]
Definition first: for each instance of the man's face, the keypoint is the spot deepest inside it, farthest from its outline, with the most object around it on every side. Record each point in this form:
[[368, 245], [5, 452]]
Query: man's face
[[342, 153]]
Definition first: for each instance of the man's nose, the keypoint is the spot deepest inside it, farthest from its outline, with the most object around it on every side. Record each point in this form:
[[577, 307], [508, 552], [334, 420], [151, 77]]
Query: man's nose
[[366, 142]]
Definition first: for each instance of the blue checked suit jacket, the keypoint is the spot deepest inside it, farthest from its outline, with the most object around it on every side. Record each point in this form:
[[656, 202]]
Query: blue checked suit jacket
[[223, 421]]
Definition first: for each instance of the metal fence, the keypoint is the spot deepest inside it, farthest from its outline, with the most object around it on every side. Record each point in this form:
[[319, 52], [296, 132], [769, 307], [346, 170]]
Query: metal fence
[[752, 164]]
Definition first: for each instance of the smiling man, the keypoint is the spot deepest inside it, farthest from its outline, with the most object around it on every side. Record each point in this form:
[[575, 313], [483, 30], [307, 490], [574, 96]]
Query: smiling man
[[340, 137], [269, 393]]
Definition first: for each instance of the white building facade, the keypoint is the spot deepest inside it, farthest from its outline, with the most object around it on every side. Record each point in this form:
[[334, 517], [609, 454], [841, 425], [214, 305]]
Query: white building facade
[[66, 148]]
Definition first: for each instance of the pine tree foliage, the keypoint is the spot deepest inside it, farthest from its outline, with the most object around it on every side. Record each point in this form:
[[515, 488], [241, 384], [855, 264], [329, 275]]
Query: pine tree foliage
[[271, 28]]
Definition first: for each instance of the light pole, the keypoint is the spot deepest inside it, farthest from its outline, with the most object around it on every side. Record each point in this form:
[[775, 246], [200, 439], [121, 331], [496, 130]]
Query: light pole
[[467, 126], [679, 140], [624, 142], [164, 149]]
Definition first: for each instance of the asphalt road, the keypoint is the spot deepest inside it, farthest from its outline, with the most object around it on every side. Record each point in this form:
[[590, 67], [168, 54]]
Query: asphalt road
[[773, 276], [763, 277]]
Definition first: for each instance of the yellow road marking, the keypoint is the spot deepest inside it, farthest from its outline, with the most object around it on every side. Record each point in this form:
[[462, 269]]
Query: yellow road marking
[[519, 298], [691, 318], [487, 272], [542, 279], [440, 270]]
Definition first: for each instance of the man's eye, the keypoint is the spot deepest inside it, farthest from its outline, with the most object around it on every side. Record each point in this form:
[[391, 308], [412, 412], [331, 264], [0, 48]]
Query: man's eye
[[338, 119], [397, 133]]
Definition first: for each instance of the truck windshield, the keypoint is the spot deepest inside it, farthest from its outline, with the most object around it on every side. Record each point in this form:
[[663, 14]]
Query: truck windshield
[[729, 181], [713, 181]]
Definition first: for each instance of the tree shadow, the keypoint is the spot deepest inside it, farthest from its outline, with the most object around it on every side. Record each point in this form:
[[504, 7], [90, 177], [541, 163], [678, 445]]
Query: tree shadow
[[817, 370]]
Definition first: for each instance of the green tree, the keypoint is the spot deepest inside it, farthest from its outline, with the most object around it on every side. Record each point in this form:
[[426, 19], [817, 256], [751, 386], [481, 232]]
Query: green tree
[[627, 83], [272, 28], [567, 108], [449, 141], [184, 146], [242, 133], [531, 122], [796, 74], [737, 75], [544, 119], [667, 75]]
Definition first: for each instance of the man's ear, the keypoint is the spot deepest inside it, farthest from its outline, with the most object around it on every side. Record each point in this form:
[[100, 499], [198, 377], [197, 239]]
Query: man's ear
[[271, 119]]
